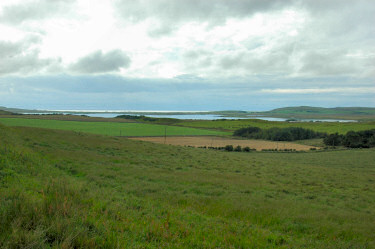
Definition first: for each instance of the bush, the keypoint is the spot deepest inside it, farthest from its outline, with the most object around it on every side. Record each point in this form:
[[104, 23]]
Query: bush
[[229, 148], [238, 148], [333, 139], [247, 149], [352, 139], [246, 132], [360, 139]]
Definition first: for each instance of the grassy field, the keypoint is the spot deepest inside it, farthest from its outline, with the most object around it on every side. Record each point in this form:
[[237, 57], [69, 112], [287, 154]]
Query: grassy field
[[110, 128], [75, 190], [231, 125]]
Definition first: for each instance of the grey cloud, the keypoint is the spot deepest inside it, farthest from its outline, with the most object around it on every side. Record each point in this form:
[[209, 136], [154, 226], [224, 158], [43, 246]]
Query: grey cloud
[[275, 63], [21, 57], [160, 29], [34, 10], [99, 62], [335, 30], [289, 57], [186, 92], [197, 59], [345, 25], [108, 83], [241, 61], [168, 15], [10, 49], [328, 63]]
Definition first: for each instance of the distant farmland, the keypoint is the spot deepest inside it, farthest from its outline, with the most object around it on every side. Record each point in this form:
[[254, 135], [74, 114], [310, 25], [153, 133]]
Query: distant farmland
[[111, 128], [223, 141], [231, 125]]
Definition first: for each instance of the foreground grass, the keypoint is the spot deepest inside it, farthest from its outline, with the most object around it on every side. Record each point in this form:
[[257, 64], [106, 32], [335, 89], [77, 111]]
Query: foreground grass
[[70, 190], [232, 125], [110, 128]]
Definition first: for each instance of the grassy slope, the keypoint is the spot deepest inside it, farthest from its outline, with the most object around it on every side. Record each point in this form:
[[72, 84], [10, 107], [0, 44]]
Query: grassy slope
[[308, 112], [84, 191], [231, 125], [2, 112], [109, 128], [320, 110]]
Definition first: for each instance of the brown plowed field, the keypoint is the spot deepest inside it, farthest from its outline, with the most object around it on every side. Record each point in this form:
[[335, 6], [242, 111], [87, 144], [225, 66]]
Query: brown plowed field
[[221, 142]]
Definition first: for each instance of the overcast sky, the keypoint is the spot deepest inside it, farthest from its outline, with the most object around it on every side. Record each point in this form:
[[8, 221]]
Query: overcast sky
[[186, 54]]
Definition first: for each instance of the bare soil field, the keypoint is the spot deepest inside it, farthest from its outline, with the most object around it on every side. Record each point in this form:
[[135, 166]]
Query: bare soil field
[[198, 141]]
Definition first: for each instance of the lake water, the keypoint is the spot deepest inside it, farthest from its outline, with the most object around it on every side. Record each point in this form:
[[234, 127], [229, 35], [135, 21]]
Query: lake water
[[215, 117], [182, 116], [205, 117]]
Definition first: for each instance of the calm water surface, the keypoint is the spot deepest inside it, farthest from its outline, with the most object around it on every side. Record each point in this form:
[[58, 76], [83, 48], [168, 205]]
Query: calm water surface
[[206, 117]]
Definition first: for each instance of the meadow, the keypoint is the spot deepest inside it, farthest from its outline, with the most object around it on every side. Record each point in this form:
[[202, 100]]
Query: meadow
[[111, 128], [63, 189]]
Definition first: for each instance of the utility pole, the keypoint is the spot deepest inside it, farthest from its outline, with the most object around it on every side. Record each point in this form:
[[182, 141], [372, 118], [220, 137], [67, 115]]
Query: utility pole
[[165, 134]]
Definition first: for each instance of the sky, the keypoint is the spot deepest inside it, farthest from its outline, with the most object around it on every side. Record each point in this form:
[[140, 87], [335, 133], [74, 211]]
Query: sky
[[186, 54]]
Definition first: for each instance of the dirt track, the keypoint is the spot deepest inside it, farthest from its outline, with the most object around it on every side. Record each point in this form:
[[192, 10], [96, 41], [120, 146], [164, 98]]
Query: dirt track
[[221, 142]]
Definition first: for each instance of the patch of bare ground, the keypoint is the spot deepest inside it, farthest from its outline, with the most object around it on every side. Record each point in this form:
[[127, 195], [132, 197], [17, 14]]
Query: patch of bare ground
[[209, 141]]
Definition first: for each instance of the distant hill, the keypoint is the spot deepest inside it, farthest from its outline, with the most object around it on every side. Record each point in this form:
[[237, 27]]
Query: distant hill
[[17, 110], [321, 110], [296, 112], [3, 112]]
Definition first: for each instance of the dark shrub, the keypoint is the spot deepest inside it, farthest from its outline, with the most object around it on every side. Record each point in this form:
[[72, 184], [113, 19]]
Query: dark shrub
[[247, 132], [360, 139], [238, 149], [333, 139], [229, 148]]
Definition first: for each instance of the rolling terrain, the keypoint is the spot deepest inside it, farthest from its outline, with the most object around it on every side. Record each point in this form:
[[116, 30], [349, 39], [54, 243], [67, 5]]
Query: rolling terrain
[[296, 112], [232, 125], [77, 190], [110, 128]]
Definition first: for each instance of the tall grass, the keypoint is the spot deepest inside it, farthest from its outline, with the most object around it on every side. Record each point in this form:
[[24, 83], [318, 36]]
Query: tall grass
[[61, 189]]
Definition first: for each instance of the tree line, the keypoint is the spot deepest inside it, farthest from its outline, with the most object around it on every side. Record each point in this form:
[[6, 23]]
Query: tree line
[[352, 139]]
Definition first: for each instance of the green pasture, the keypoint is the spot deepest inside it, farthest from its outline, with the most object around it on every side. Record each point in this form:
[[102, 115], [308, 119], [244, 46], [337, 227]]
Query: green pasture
[[62, 189], [111, 128], [231, 125]]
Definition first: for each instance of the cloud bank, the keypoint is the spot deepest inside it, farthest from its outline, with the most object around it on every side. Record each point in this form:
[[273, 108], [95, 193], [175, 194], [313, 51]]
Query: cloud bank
[[283, 51]]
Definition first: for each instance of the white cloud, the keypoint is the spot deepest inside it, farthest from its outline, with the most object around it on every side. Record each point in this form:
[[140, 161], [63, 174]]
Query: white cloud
[[344, 90]]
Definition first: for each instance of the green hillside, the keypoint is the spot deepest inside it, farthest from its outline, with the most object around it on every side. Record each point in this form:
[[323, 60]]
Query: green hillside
[[231, 125], [350, 111], [61, 189], [2, 112]]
